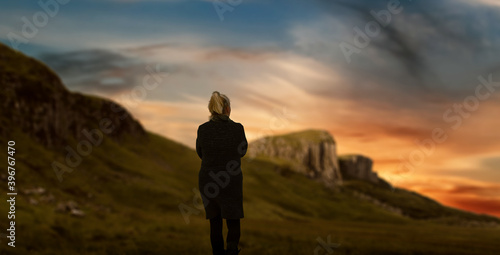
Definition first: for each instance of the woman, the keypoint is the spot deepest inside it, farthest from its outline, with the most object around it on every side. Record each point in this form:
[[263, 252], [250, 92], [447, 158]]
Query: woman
[[220, 144]]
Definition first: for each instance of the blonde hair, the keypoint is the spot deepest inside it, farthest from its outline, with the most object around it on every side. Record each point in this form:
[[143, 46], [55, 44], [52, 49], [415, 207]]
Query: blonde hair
[[218, 103]]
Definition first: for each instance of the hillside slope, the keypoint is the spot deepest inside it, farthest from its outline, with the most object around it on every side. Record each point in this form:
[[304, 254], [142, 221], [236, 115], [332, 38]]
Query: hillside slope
[[357, 177], [135, 192]]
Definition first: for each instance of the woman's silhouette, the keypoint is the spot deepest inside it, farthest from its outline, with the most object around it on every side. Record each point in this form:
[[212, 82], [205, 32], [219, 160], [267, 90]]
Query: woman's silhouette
[[220, 144]]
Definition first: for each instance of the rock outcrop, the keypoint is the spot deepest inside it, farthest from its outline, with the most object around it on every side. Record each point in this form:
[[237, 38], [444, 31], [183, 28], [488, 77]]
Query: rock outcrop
[[358, 167], [34, 101], [314, 154], [311, 152]]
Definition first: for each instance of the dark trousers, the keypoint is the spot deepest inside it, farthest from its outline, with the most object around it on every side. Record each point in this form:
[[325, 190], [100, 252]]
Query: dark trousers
[[233, 233]]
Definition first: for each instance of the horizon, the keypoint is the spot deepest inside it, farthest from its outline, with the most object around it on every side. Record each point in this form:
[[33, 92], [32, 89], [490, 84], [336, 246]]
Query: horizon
[[419, 96]]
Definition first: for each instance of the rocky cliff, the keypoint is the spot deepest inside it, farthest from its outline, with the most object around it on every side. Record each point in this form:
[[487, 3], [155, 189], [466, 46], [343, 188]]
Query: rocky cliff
[[357, 167], [34, 101], [311, 152]]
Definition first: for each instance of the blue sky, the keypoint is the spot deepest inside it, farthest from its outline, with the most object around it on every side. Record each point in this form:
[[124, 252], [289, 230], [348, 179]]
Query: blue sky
[[282, 62], [249, 22]]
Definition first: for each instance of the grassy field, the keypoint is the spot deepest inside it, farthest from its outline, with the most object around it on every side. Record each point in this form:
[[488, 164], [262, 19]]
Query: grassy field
[[131, 193], [166, 234]]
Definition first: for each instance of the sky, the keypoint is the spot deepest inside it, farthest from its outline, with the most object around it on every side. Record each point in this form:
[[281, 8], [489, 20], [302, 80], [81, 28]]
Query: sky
[[414, 85]]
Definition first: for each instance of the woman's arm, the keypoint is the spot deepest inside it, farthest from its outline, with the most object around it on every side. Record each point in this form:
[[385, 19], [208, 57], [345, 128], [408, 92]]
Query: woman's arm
[[198, 144], [242, 148]]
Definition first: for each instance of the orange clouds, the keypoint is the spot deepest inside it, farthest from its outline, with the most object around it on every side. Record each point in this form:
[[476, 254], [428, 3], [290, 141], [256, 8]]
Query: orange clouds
[[489, 206], [462, 193]]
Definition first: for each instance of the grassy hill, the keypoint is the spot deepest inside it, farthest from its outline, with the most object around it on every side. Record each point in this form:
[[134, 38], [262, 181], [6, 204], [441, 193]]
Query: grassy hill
[[126, 197]]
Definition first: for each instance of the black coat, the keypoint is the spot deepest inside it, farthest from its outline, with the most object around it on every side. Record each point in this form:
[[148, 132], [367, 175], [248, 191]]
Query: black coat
[[220, 144]]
